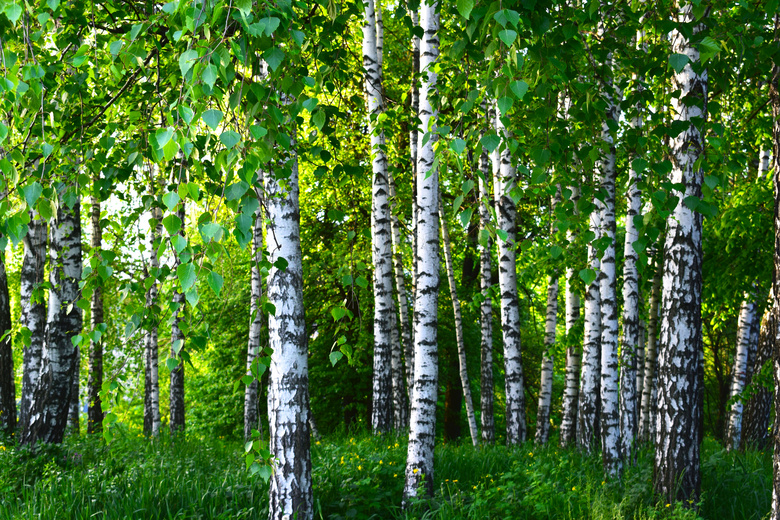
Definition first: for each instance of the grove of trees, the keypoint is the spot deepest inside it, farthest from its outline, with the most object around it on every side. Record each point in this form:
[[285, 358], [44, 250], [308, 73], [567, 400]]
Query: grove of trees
[[529, 220]]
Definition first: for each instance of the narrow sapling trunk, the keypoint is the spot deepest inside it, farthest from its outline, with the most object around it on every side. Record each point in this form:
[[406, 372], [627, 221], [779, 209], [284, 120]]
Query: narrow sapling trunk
[[95, 379], [7, 386], [464, 375], [747, 315], [650, 387], [486, 307], [152, 382], [177, 420], [573, 355], [251, 410]]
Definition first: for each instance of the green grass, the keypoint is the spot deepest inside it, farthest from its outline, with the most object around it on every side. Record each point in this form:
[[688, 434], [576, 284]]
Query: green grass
[[359, 477]]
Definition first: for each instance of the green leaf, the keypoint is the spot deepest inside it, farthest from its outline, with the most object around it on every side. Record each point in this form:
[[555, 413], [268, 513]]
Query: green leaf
[[588, 276], [338, 313], [230, 139], [187, 60], [32, 192], [215, 282], [211, 230], [361, 282], [490, 142], [172, 224], [505, 104], [257, 131], [508, 36], [708, 48], [245, 6], [171, 363], [458, 145], [212, 118], [465, 216], [678, 62], [519, 88], [3, 132], [13, 12], [501, 234], [555, 251], [711, 181], [335, 357], [465, 7], [46, 148], [187, 275], [274, 57], [639, 165], [163, 135], [271, 24], [171, 200], [236, 191], [177, 345], [318, 119], [186, 113], [179, 243], [210, 75]]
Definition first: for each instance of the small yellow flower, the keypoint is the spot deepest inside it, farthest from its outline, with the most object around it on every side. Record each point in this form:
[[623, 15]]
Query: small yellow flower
[[317, 443], [342, 459], [455, 480], [474, 487], [380, 461], [2, 447], [667, 505], [530, 454], [574, 488], [360, 468], [395, 475], [414, 471], [603, 482], [396, 444]]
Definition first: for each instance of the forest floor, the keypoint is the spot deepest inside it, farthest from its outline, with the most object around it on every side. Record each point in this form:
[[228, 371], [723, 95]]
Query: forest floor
[[358, 477]]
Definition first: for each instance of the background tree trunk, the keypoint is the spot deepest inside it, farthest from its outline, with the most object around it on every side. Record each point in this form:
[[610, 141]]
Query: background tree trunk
[[152, 381], [251, 404], [649, 389], [747, 315], [178, 342], [486, 307], [573, 356], [7, 385], [95, 380]]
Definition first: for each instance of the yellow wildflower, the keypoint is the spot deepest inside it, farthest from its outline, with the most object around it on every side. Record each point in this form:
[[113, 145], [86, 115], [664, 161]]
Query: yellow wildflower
[[360, 468], [574, 488], [380, 461], [414, 471]]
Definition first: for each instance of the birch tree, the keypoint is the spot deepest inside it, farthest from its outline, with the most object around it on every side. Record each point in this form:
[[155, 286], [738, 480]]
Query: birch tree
[[251, 411], [486, 306], [384, 306], [573, 357], [33, 318], [422, 431], [463, 372], [7, 385], [774, 100], [677, 473], [51, 395], [151, 347], [288, 380], [745, 322], [650, 387], [95, 377], [176, 392]]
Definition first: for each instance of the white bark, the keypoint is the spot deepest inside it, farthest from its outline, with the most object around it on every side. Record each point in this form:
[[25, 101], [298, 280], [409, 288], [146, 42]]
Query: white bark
[[95, 378], [176, 389], [419, 460], [745, 324], [33, 311], [384, 306], [464, 375], [677, 473], [486, 307], [288, 381], [589, 394], [650, 386], [504, 182], [573, 355], [152, 418], [251, 410], [545, 386]]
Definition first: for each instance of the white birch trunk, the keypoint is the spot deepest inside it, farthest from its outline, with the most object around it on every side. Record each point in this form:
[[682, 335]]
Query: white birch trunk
[[486, 307], [288, 381], [51, 396], [745, 322], [504, 183], [95, 378], [589, 394], [573, 355], [677, 473], [413, 142], [545, 386], [464, 375], [774, 98], [176, 392], [419, 460], [33, 311], [251, 410], [152, 418], [650, 386], [384, 306]]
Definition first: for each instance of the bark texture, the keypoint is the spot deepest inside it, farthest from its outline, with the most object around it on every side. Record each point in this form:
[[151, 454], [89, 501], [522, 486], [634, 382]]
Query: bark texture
[[51, 396], [545, 390], [33, 311], [95, 377], [151, 379], [504, 183], [177, 421], [774, 99], [756, 430], [288, 382], [7, 385], [422, 431], [401, 380], [487, 421], [381, 252], [251, 409], [677, 475], [650, 386], [739, 372], [573, 355]]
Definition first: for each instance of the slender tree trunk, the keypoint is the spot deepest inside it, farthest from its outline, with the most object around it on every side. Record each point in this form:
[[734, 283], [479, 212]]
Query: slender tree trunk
[[33, 311], [504, 183], [545, 390], [251, 403], [288, 382], [73, 426], [647, 416], [756, 430], [95, 380], [589, 395], [677, 473], [177, 421], [573, 355], [384, 306], [747, 315], [51, 396], [486, 307], [400, 376], [774, 97], [419, 460], [464, 375], [7, 385], [152, 382]]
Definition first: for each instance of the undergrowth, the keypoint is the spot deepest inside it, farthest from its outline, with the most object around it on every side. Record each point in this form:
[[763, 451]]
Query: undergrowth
[[359, 477]]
